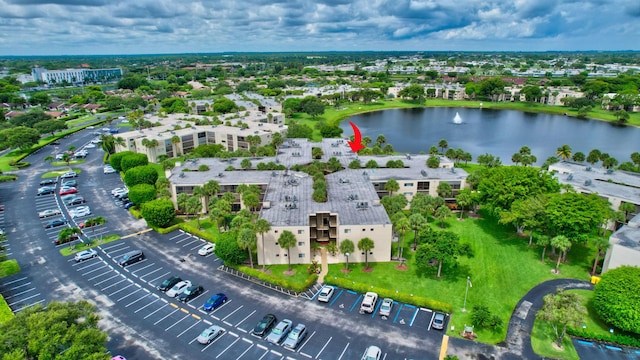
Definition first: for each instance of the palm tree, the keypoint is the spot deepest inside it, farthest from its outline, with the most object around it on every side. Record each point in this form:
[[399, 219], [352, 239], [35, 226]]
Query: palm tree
[[182, 201], [219, 213], [247, 240], [627, 208], [49, 159], [175, 141], [66, 158], [564, 152], [346, 247], [287, 240], [443, 144], [391, 186], [561, 243], [544, 241], [442, 213], [416, 221], [108, 143], [366, 141], [381, 140], [365, 244], [211, 188], [262, 226], [402, 225], [601, 244], [194, 206]]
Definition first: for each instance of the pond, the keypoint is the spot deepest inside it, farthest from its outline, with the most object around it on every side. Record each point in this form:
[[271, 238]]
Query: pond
[[498, 132]]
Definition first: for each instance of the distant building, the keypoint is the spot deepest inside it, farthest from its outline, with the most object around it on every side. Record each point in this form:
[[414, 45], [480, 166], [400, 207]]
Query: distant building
[[624, 246], [76, 76]]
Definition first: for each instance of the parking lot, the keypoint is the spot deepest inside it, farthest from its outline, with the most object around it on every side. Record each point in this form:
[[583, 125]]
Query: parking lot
[[588, 350]]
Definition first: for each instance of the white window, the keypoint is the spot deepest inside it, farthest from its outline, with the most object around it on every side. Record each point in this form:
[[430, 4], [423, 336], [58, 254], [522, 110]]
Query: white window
[[408, 184], [300, 243], [300, 231], [300, 255], [346, 231]]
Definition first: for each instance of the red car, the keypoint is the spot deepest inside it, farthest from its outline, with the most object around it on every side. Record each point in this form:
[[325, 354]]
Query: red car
[[82, 225], [68, 190]]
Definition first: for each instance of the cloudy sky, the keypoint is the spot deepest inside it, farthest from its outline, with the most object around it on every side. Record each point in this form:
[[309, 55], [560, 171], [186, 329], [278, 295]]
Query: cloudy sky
[[61, 27]]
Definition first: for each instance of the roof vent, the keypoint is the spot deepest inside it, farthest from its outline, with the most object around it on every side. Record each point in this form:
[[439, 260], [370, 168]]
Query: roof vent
[[181, 175], [220, 174], [587, 182], [610, 171], [423, 172], [408, 156], [588, 168], [570, 177]]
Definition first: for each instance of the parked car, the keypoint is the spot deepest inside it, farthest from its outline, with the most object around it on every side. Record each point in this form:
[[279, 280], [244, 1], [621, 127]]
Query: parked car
[[68, 190], [51, 181], [55, 223], [69, 183], [81, 154], [214, 301], [386, 307], [114, 131], [206, 249], [295, 337], [280, 332], [178, 288], [109, 170], [46, 190], [190, 293], [372, 353], [69, 175], [80, 211], [326, 293], [85, 255], [168, 283], [131, 257], [127, 205], [117, 190], [209, 334], [118, 357], [75, 200], [369, 302], [49, 212], [263, 326], [438, 321]]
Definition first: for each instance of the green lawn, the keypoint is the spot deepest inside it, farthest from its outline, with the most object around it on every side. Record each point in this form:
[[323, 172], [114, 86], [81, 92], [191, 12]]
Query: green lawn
[[502, 270], [72, 162], [278, 271], [55, 173], [592, 323], [9, 267], [70, 250], [542, 337]]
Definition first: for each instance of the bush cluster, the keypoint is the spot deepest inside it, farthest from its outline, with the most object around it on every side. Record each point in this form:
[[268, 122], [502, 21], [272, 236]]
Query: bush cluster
[[274, 280], [383, 293]]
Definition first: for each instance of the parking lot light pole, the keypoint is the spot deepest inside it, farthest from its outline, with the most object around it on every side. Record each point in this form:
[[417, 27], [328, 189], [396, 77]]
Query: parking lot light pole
[[347, 255], [466, 292]]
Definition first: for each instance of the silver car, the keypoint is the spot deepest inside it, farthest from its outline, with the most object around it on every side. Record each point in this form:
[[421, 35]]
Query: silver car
[[209, 334], [372, 353], [326, 293], [295, 337], [386, 307], [280, 331], [85, 255]]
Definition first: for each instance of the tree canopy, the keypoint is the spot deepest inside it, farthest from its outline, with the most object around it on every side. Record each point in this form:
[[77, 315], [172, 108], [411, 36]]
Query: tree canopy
[[616, 298]]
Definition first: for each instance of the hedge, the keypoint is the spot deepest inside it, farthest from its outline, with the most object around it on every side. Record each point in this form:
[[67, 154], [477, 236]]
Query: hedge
[[136, 213], [617, 338], [384, 293], [5, 178], [5, 311], [274, 280], [9, 267], [193, 231]]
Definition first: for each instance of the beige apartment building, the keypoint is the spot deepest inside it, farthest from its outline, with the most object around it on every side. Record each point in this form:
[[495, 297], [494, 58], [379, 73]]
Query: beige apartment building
[[352, 211]]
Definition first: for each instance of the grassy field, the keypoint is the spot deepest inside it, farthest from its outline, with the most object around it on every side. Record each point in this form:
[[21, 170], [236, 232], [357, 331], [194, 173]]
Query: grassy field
[[592, 322], [542, 342], [502, 269], [72, 162]]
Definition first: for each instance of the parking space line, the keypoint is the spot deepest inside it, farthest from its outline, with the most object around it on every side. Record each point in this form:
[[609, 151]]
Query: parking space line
[[90, 271], [375, 312], [142, 277], [325, 345], [430, 321], [124, 279], [398, 313], [134, 272], [195, 298], [119, 244], [414, 317], [187, 244], [18, 294], [160, 308], [185, 239], [306, 341], [19, 286], [241, 321], [124, 288], [177, 322], [175, 236], [228, 347], [149, 304], [189, 328], [166, 316], [131, 303], [355, 302], [159, 277], [343, 351], [244, 352], [30, 305], [126, 296], [211, 343], [97, 276], [233, 312], [13, 281], [119, 250], [22, 300]]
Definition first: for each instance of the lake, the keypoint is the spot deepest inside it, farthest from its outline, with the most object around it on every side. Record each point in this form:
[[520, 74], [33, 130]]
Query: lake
[[498, 132]]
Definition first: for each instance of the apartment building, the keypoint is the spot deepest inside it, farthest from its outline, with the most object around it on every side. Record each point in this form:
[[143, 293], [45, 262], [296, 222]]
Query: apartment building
[[75, 76]]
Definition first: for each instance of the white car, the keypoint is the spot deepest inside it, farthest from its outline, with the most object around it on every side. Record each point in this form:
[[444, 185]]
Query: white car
[[48, 212], [207, 249], [68, 175], [326, 293], [209, 334], [369, 302], [109, 170], [116, 191], [372, 353], [85, 255], [80, 211], [90, 146], [178, 288]]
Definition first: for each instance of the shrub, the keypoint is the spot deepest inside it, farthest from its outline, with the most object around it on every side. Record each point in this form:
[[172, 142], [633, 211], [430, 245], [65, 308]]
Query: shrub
[[158, 213], [133, 160], [228, 251], [383, 292], [482, 317], [141, 193], [116, 159], [146, 174], [274, 280], [616, 298]]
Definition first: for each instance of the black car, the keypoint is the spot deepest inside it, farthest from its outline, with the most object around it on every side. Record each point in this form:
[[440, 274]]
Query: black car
[[75, 201], [131, 257], [264, 326], [168, 283], [190, 293], [54, 223], [46, 190], [46, 182]]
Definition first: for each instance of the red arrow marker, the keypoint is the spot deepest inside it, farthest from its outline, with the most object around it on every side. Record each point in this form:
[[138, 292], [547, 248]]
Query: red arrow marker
[[356, 144]]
